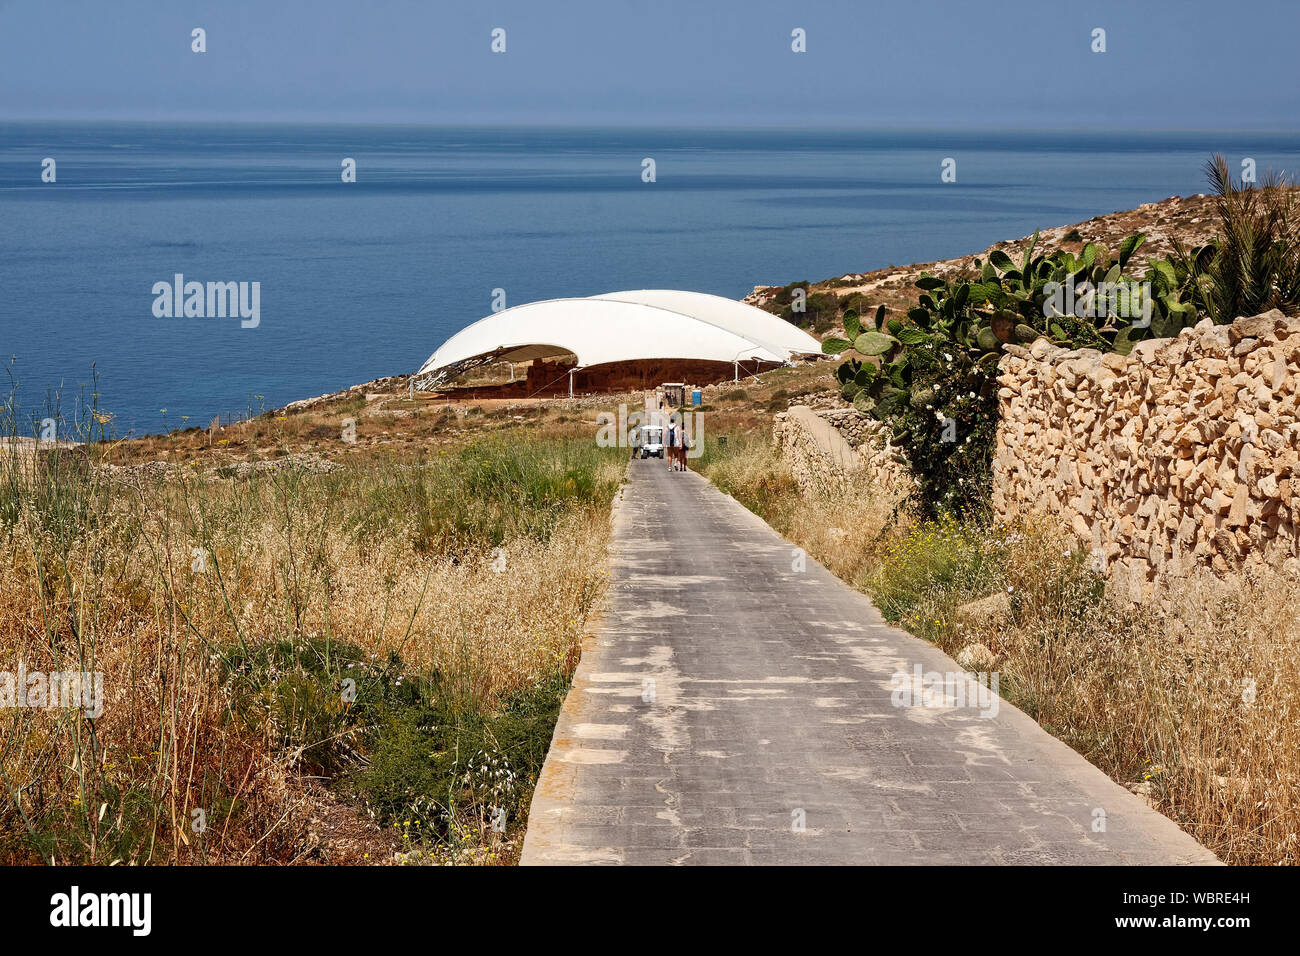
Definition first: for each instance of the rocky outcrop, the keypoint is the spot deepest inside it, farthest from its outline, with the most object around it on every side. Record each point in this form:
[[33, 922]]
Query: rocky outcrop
[[1178, 457]]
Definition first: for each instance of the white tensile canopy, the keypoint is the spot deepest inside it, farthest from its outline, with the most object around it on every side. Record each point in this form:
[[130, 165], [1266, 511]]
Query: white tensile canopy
[[773, 332], [622, 327]]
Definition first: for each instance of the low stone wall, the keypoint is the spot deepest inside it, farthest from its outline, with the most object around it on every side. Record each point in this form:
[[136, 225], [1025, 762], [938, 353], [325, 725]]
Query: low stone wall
[[828, 449], [1182, 455]]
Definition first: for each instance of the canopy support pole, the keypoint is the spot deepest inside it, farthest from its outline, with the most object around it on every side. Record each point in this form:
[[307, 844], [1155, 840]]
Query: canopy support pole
[[571, 371]]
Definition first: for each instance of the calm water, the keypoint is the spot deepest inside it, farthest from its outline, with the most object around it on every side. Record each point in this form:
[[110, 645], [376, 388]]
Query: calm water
[[367, 279]]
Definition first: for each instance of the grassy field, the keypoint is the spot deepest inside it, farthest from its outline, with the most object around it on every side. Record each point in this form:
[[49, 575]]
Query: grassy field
[[1195, 703], [313, 648]]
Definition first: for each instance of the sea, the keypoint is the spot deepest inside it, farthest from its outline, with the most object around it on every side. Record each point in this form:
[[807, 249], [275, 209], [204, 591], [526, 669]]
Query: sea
[[362, 279]]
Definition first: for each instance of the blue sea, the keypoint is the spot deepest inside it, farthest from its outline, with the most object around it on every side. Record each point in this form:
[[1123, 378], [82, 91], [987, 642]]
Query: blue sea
[[361, 280]]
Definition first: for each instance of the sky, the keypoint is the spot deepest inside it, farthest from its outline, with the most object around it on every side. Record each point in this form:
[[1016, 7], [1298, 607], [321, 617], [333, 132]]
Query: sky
[[1020, 64]]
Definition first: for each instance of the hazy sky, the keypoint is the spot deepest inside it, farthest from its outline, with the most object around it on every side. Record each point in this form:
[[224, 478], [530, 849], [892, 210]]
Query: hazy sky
[[1190, 64]]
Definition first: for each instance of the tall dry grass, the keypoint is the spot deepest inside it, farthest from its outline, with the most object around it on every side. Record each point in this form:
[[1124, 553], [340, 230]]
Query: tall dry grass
[[476, 570], [844, 529], [1193, 701]]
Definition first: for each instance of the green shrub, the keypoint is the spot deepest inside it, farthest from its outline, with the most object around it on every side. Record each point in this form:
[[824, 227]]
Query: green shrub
[[935, 566], [488, 492], [932, 376], [949, 428], [435, 767], [1253, 264], [819, 310], [416, 749], [294, 693]]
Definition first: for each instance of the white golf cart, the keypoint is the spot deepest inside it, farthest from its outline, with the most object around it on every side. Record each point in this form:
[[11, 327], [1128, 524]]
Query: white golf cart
[[652, 441]]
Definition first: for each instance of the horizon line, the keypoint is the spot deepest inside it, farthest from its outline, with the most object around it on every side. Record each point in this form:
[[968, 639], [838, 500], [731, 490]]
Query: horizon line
[[701, 126]]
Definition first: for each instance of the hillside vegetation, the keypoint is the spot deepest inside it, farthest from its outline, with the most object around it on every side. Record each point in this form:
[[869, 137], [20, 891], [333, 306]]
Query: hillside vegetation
[[312, 648], [928, 371]]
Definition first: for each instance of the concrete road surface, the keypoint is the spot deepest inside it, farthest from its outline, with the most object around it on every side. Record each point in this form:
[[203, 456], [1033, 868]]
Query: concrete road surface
[[731, 708]]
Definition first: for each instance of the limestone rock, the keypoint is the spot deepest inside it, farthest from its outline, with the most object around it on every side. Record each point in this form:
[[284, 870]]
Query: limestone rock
[[976, 657], [986, 611]]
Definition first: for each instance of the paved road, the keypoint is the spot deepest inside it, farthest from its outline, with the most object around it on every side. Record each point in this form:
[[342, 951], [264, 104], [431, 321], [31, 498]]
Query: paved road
[[731, 709]]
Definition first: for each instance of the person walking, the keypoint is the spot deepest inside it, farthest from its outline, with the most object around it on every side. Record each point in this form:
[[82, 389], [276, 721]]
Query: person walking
[[672, 443]]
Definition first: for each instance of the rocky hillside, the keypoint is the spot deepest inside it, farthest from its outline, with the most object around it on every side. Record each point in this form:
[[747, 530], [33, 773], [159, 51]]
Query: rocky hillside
[[1188, 219]]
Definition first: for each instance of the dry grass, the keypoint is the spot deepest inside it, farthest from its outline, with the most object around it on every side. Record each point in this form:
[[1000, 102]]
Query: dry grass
[[475, 570], [1194, 703], [847, 532]]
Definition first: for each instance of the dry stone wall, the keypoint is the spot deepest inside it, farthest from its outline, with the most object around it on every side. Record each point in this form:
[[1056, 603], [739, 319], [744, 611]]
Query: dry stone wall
[[831, 448], [1178, 457]]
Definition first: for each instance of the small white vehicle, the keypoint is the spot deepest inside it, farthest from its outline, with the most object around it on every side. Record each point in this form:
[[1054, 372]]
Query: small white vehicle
[[652, 441]]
